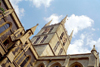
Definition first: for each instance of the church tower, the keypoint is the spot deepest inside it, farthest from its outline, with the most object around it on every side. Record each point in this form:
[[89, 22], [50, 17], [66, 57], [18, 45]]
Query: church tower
[[52, 40]]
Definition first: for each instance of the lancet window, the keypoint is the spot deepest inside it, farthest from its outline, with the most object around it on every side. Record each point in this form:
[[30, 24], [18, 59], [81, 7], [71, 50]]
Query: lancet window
[[56, 46]]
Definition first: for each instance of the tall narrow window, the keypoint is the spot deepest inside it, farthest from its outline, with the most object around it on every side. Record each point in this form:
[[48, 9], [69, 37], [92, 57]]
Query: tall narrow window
[[5, 27], [44, 39], [26, 61], [62, 35], [36, 40], [61, 50], [46, 30], [51, 29], [56, 46], [2, 29]]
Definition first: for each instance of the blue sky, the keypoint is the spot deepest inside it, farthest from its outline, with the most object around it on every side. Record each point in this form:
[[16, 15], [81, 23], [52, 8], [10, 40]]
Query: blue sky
[[83, 18]]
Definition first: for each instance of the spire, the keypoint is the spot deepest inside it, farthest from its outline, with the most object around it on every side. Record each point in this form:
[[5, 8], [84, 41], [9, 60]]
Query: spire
[[33, 28], [93, 48], [48, 23], [70, 37], [64, 20]]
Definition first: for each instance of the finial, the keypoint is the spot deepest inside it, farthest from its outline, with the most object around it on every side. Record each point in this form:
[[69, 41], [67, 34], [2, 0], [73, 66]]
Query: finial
[[93, 48], [37, 24], [64, 20], [49, 23], [70, 37], [33, 28], [71, 33]]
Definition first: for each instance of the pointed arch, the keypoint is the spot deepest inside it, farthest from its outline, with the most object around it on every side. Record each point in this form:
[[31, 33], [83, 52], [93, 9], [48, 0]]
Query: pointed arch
[[41, 65], [56, 64], [26, 61], [9, 26], [76, 64]]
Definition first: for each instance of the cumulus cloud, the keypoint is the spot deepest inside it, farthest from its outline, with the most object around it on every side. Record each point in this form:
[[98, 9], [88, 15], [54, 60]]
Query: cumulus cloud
[[91, 42], [19, 11], [38, 3], [78, 47], [93, 29], [78, 23], [84, 44], [55, 18]]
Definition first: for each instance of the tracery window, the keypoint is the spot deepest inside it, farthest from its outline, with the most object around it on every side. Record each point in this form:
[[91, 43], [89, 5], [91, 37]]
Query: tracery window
[[41, 65], [64, 40], [36, 40], [26, 61], [5, 27], [62, 35], [61, 50], [44, 39], [51, 29], [56, 65], [76, 64], [56, 46], [48, 30]]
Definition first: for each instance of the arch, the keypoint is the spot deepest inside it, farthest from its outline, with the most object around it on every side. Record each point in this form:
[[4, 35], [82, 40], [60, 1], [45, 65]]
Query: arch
[[41, 65], [76, 64], [26, 61], [9, 24], [56, 64]]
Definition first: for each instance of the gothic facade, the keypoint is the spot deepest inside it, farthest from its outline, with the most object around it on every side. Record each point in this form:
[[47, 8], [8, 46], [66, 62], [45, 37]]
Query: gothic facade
[[48, 48]]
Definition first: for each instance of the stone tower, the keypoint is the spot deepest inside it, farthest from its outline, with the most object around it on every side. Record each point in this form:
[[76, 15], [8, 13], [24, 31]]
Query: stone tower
[[52, 40]]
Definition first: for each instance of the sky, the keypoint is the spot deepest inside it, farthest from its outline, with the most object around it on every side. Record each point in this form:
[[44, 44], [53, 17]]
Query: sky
[[83, 18]]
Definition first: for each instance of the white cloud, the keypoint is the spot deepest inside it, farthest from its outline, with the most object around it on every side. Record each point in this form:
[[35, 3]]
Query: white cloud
[[19, 11], [55, 18], [93, 29], [91, 42], [38, 3], [78, 23], [84, 44], [78, 47]]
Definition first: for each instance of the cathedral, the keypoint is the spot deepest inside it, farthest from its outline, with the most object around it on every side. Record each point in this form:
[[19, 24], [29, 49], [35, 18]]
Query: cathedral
[[48, 48]]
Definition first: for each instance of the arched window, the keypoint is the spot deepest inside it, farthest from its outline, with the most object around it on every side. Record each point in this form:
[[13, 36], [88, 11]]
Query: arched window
[[56, 46], [51, 29], [46, 30], [76, 64], [62, 35], [41, 65], [56, 65], [26, 61], [5, 27], [44, 39], [61, 50], [36, 40]]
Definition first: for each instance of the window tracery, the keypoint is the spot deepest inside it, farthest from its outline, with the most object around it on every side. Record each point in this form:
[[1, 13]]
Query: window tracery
[[56, 46], [36, 40], [44, 39]]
